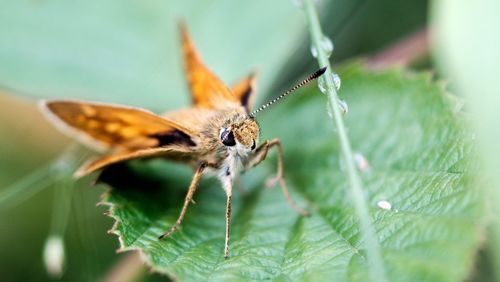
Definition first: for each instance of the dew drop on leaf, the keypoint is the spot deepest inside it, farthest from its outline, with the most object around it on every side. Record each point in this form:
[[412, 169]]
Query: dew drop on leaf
[[384, 204]]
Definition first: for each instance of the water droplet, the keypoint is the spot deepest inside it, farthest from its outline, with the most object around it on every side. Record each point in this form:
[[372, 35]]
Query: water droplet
[[322, 84], [326, 45], [384, 204], [361, 162], [53, 256], [343, 106], [314, 51], [337, 81]]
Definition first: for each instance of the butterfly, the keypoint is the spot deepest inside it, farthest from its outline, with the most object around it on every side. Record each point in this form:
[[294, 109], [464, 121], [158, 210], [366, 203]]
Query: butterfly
[[218, 134]]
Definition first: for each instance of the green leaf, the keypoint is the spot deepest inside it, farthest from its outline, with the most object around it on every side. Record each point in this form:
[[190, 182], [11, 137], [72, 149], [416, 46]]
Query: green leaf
[[417, 151], [128, 51]]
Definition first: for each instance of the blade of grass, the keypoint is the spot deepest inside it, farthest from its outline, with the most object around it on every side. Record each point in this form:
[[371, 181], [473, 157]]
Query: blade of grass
[[47, 175], [25, 188], [376, 266]]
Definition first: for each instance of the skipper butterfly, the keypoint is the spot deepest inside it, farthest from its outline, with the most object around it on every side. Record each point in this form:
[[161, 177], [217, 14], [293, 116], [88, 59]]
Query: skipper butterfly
[[219, 133]]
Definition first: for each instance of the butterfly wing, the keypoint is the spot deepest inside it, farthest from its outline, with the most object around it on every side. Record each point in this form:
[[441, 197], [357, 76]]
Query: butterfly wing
[[112, 126], [207, 90], [133, 133], [170, 152], [244, 91]]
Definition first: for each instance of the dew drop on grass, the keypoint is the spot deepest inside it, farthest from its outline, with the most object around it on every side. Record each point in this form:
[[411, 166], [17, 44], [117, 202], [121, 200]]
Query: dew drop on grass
[[322, 82], [342, 104], [327, 45], [361, 162], [384, 204], [343, 107], [53, 256], [337, 81], [314, 51]]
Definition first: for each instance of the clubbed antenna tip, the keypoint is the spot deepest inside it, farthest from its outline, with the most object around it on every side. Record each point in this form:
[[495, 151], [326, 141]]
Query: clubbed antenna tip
[[310, 78], [318, 73]]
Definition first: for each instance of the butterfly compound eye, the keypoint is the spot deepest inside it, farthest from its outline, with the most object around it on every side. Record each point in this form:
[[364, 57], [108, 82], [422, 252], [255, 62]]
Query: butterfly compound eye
[[227, 137]]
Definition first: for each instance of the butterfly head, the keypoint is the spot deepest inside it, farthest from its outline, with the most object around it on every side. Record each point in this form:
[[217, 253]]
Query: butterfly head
[[244, 135]]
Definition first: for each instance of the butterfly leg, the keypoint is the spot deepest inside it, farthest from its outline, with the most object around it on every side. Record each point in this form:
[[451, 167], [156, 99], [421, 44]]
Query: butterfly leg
[[260, 155], [228, 221], [187, 200]]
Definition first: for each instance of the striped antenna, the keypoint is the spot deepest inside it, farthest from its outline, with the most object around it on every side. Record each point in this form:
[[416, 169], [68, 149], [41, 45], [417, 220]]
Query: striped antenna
[[310, 78]]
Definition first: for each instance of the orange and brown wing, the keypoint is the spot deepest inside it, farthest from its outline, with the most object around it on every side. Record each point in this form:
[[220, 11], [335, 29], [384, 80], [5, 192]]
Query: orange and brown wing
[[119, 127], [244, 91], [207, 90], [170, 152]]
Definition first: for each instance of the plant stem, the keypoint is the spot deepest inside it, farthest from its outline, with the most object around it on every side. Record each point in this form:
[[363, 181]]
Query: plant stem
[[40, 179], [25, 188], [128, 268], [376, 265]]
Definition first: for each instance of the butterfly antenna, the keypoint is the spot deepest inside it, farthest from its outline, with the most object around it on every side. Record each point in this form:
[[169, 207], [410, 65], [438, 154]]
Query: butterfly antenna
[[310, 78]]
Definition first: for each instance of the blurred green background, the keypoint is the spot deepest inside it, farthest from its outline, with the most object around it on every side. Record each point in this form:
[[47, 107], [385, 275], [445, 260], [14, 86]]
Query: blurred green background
[[127, 52]]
